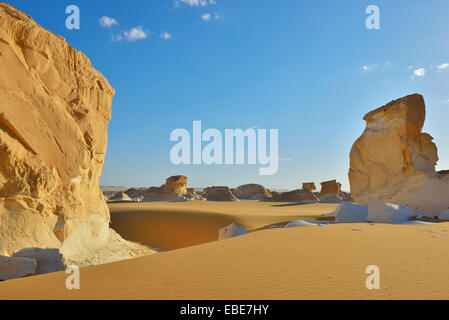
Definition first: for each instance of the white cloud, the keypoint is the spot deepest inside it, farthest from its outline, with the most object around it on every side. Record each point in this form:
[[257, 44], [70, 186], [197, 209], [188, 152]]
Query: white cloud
[[443, 66], [446, 101], [195, 3], [136, 33], [166, 36], [107, 22], [217, 16], [206, 17], [421, 72], [369, 67]]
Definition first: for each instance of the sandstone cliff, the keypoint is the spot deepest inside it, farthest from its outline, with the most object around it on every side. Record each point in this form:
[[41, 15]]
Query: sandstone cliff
[[54, 112], [394, 160]]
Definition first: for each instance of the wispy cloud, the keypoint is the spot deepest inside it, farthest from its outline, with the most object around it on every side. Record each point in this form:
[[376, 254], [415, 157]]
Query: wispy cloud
[[206, 17], [165, 35], [133, 35], [369, 67], [446, 101], [443, 66], [107, 22], [420, 72], [195, 3]]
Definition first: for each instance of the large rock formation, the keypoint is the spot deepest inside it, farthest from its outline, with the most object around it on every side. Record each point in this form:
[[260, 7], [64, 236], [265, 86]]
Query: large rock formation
[[252, 192], [54, 112], [394, 160]]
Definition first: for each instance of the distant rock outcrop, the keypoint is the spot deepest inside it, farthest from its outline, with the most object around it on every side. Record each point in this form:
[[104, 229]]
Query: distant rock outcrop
[[300, 196], [176, 184], [120, 196], [309, 186], [219, 194], [136, 193], [174, 189], [252, 192], [331, 192], [331, 187], [394, 161], [275, 194], [54, 112]]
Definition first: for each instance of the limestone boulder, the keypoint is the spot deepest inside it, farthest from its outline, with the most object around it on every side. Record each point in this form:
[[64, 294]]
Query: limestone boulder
[[231, 231], [48, 260], [54, 112], [394, 161], [381, 212], [15, 267], [350, 213], [219, 194], [252, 192]]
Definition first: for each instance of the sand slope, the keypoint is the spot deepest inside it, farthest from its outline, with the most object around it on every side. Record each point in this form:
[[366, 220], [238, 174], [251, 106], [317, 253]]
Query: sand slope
[[296, 263], [174, 225]]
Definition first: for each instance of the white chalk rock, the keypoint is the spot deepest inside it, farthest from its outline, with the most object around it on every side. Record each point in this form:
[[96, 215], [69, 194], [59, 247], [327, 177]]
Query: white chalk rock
[[13, 267], [299, 223], [444, 216], [48, 260], [379, 211], [231, 231], [351, 213]]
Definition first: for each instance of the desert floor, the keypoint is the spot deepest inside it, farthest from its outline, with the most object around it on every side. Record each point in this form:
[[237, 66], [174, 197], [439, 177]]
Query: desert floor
[[312, 262]]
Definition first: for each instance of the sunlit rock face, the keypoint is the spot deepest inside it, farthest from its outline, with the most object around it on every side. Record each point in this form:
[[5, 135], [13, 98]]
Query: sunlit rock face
[[54, 112], [395, 161], [252, 192]]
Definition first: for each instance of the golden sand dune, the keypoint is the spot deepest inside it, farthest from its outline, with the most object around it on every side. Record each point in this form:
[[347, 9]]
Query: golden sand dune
[[174, 225], [312, 262]]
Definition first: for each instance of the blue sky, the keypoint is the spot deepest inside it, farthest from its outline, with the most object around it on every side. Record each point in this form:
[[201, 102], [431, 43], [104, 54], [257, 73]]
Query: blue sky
[[308, 68]]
